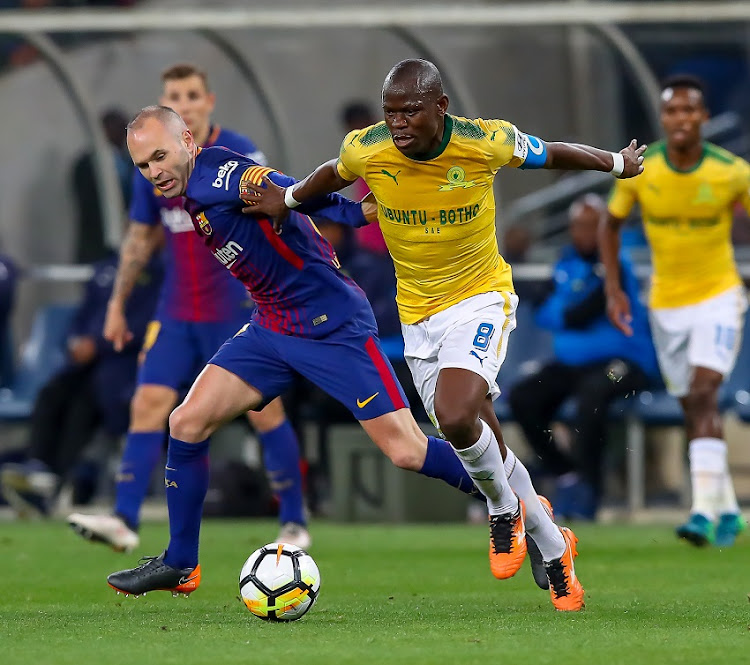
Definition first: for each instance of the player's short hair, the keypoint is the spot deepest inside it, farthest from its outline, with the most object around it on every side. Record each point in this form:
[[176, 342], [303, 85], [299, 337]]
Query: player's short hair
[[424, 75], [183, 70], [590, 200], [164, 114], [688, 81]]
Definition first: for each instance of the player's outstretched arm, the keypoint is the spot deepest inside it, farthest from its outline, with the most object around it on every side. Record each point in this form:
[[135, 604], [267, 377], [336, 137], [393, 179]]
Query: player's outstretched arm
[[315, 194], [137, 248], [618, 304], [275, 201], [575, 156]]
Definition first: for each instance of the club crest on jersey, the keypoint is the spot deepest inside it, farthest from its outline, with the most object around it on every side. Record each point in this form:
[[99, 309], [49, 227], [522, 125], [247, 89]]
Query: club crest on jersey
[[456, 180], [222, 175], [204, 224]]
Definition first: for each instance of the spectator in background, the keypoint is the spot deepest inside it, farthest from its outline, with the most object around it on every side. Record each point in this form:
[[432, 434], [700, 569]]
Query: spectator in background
[[93, 389], [91, 241], [516, 244], [594, 364]]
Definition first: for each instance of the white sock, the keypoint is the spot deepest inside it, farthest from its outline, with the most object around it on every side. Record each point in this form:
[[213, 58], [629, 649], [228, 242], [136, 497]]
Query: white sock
[[727, 498], [708, 465], [539, 526], [484, 464]]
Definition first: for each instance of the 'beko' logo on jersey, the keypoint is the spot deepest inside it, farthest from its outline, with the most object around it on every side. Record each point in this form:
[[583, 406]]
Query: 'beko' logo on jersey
[[229, 253], [222, 176], [456, 180]]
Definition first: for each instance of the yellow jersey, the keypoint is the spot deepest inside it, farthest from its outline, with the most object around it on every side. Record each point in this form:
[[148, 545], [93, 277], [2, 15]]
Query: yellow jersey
[[687, 218], [437, 215]]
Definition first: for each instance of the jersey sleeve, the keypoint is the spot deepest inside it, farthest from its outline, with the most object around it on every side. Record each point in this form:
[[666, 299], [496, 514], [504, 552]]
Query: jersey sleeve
[[622, 198], [509, 146], [744, 185], [352, 159], [246, 147], [143, 205]]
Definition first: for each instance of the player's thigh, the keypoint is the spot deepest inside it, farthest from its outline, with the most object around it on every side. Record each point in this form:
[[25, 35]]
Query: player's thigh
[[150, 407], [397, 434], [217, 396], [717, 332], [350, 366], [170, 355], [670, 331]]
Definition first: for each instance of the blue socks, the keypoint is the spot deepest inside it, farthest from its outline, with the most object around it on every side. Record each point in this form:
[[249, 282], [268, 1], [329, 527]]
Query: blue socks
[[442, 463], [186, 484], [282, 461], [142, 453]]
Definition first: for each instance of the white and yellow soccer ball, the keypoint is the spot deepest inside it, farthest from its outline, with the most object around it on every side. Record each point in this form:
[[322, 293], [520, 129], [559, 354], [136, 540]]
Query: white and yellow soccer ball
[[279, 582]]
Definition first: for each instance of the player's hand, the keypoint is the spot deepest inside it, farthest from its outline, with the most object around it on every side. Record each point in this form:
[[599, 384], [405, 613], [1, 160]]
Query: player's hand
[[116, 327], [265, 199], [82, 350], [633, 158], [618, 311]]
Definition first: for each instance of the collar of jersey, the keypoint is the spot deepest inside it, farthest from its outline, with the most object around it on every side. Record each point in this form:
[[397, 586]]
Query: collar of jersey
[[447, 131], [694, 167]]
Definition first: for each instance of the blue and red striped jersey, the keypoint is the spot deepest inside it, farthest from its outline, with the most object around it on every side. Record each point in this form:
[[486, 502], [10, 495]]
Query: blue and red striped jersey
[[293, 277], [195, 287]]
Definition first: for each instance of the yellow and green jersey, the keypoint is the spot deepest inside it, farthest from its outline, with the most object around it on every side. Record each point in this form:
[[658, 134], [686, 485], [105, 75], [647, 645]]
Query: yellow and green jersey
[[687, 218], [437, 215]]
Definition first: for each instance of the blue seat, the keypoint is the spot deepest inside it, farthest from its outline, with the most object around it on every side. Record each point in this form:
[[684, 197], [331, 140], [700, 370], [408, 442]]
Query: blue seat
[[736, 389], [43, 354]]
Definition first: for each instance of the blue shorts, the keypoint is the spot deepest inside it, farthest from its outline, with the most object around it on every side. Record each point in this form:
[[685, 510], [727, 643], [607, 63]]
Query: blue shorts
[[348, 365], [176, 351]]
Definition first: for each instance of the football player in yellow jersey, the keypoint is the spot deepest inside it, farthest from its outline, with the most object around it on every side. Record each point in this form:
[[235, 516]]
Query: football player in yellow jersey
[[431, 175], [696, 302]]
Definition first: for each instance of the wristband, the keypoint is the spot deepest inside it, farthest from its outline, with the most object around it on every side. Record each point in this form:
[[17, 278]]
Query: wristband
[[618, 164], [289, 199]]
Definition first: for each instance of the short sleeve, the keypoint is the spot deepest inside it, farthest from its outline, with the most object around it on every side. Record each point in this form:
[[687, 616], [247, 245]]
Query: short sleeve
[[143, 205], [500, 141], [351, 161], [622, 198]]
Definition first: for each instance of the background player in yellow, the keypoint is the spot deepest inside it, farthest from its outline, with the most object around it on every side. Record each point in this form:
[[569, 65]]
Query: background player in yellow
[[696, 302], [431, 174]]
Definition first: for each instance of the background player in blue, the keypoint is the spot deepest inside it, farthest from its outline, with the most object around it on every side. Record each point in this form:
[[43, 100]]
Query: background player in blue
[[310, 319], [201, 305]]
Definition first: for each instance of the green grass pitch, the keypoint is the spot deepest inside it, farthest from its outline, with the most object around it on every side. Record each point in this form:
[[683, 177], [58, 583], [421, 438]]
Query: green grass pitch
[[401, 594]]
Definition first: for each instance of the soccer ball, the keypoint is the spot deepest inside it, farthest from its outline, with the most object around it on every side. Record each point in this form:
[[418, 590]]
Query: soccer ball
[[279, 582]]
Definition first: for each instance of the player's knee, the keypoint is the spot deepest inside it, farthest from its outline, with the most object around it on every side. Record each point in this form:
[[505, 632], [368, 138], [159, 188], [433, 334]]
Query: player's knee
[[457, 422], [186, 424], [146, 408], [702, 397], [407, 457]]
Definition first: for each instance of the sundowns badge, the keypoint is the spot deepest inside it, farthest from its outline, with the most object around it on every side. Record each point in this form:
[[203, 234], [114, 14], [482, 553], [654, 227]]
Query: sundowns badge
[[204, 224], [456, 179]]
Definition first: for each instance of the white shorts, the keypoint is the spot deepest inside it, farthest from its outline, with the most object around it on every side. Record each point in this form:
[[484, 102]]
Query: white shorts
[[707, 334], [472, 334]]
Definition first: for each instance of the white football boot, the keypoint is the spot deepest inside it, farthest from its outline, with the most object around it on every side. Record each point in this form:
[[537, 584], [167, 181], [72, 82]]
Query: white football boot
[[107, 529]]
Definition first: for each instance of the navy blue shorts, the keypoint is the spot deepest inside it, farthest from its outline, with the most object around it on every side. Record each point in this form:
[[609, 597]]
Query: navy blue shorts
[[348, 365], [176, 351]]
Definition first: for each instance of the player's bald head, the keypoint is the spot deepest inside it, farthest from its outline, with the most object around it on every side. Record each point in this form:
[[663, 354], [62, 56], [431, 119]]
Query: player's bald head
[[164, 115], [414, 76]]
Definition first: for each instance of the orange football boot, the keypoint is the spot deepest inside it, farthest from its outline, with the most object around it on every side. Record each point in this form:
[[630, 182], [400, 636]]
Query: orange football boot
[[507, 542], [564, 586]]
